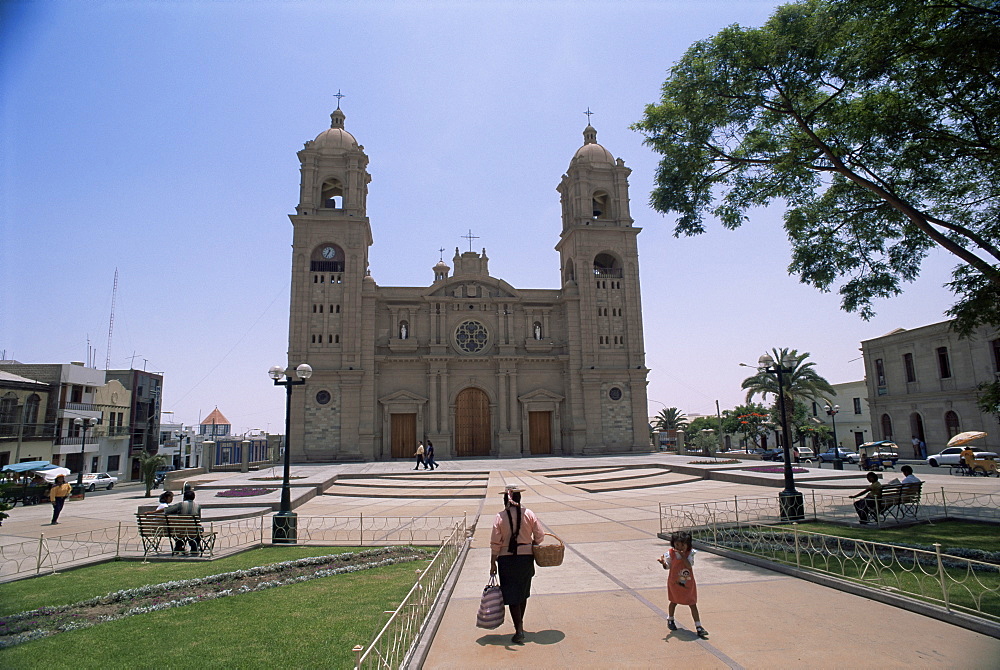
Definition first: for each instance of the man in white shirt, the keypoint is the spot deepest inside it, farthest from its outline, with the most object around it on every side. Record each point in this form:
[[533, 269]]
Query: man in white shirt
[[909, 478]]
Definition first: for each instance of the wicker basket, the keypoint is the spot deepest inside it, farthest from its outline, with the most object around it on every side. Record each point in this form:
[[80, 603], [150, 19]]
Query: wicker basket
[[549, 555]]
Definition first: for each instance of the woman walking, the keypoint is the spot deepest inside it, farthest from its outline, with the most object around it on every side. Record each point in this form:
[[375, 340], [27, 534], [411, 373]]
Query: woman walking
[[57, 496], [515, 531]]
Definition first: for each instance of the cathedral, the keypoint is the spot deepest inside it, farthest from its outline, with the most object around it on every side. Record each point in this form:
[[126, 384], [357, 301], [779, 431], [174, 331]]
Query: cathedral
[[477, 366]]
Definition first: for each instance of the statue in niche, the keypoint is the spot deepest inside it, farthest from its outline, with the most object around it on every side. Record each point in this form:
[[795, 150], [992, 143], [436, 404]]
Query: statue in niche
[[538, 331], [403, 331]]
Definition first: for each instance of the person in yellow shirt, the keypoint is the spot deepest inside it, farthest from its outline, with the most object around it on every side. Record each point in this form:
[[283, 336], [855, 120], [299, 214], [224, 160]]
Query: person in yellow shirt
[[57, 495]]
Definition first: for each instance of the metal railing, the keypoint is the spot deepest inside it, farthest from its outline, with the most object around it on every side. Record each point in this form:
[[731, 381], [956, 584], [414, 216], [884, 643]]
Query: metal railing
[[956, 583], [397, 640], [50, 554], [934, 505]]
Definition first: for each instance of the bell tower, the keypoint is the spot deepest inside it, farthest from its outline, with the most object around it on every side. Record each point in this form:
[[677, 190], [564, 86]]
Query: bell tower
[[599, 261], [330, 283]]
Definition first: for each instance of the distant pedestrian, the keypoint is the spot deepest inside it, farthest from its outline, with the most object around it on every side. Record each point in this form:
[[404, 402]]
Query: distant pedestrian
[[419, 453], [681, 586], [916, 447], [57, 496], [923, 449], [429, 462], [795, 454]]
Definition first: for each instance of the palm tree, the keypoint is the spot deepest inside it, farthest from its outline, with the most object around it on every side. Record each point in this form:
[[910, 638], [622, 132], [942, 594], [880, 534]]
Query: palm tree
[[148, 464], [670, 418], [802, 384]]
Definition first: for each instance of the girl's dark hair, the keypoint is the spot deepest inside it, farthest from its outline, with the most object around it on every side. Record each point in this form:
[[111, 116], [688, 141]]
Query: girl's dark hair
[[165, 496], [680, 536], [511, 497]]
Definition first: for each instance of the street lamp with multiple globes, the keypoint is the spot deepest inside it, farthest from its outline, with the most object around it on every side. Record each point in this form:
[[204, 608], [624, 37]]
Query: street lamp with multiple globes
[[838, 463], [789, 500], [89, 422], [284, 527]]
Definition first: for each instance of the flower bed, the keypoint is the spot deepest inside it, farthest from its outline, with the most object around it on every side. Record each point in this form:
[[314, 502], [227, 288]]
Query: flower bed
[[46, 621], [730, 461], [243, 492]]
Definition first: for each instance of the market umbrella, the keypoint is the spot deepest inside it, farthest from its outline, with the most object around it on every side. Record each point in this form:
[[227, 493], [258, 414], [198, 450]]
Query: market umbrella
[[26, 466], [966, 437], [50, 473]]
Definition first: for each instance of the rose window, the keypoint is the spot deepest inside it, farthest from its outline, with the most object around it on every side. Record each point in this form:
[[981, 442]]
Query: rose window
[[471, 337]]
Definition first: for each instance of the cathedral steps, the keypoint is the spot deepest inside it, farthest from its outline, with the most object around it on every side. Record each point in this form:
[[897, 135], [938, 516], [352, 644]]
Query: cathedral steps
[[617, 478], [422, 486]]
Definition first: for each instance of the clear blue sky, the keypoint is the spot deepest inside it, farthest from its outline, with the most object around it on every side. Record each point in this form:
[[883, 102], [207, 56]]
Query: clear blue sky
[[160, 138]]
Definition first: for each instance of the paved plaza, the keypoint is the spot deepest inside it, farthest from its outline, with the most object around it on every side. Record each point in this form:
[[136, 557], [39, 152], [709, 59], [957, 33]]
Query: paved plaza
[[605, 607]]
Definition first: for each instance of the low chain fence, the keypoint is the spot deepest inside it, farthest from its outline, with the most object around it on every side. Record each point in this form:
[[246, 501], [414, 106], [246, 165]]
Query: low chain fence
[[48, 554], [395, 644], [956, 583], [817, 506]]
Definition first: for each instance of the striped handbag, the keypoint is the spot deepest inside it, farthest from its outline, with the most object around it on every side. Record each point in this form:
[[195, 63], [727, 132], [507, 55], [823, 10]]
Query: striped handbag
[[491, 606]]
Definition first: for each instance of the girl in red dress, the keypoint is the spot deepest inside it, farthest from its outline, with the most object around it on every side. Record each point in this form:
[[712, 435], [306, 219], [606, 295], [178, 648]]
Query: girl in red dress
[[681, 587]]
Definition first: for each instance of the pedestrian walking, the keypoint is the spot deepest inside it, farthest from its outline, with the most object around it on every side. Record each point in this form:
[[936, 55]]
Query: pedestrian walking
[[429, 462], [419, 453], [515, 531], [681, 586], [57, 496]]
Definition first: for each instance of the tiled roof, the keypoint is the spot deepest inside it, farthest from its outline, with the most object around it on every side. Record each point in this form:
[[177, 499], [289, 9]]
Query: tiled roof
[[215, 419]]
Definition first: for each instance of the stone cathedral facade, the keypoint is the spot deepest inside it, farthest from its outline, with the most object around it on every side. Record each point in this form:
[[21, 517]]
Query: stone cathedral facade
[[474, 364]]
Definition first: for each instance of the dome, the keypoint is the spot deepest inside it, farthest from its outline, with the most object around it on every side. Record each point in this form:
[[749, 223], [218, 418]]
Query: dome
[[336, 138], [591, 151]]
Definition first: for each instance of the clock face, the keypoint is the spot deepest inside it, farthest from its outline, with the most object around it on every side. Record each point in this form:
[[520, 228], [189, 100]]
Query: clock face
[[329, 252]]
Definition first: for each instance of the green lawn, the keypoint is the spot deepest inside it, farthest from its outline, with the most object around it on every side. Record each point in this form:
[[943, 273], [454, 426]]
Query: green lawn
[[310, 625], [949, 533]]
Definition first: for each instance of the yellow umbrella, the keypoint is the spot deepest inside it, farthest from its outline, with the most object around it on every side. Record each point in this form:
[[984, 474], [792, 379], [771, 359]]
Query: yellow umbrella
[[966, 437]]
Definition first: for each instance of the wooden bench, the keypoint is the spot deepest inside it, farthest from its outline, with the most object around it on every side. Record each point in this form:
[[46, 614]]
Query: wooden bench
[[898, 501], [155, 526]]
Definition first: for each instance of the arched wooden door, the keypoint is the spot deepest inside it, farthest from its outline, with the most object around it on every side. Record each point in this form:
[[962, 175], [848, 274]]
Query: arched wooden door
[[472, 423]]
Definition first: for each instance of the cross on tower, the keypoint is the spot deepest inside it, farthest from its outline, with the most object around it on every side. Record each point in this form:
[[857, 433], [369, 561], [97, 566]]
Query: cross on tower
[[470, 237], [442, 254], [340, 95], [589, 114]]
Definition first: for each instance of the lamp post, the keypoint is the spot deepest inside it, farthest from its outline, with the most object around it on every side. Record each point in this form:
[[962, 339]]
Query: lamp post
[[789, 500], [284, 527], [84, 424], [838, 463]]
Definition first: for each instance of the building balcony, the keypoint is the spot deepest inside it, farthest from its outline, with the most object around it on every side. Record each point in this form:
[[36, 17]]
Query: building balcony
[[81, 406], [27, 431]]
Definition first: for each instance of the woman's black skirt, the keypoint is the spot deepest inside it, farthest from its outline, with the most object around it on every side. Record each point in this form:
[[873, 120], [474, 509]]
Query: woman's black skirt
[[515, 577]]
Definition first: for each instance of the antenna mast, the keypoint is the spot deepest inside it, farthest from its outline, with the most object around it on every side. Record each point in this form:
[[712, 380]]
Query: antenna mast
[[111, 321]]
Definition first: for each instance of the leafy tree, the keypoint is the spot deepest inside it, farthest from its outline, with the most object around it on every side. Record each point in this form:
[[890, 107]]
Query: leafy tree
[[670, 418], [702, 423], [989, 398], [148, 464], [752, 420], [874, 121], [706, 441], [803, 384]]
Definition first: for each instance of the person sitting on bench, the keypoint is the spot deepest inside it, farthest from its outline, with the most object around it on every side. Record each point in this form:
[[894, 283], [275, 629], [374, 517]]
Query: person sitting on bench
[[866, 507], [909, 477], [186, 506]]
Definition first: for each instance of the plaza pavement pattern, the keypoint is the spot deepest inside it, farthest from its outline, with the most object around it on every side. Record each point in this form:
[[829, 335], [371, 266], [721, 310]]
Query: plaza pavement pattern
[[605, 606]]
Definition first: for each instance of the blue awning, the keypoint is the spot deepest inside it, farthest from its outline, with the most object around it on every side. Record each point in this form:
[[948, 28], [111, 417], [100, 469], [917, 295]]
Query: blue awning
[[27, 466]]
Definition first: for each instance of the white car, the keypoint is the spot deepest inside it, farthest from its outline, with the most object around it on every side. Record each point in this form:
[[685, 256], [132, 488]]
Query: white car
[[94, 479], [952, 456]]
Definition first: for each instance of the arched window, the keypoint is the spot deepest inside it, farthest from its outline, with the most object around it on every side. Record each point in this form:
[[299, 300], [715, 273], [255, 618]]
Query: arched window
[[606, 265], [333, 194], [8, 414], [886, 427], [951, 424], [600, 203]]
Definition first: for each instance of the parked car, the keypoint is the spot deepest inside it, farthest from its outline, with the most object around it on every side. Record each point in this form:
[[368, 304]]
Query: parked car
[[771, 455], [93, 480], [806, 455], [845, 455], [952, 456]]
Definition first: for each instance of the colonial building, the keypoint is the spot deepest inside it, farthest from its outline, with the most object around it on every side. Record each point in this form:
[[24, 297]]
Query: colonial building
[[469, 361], [923, 383]]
